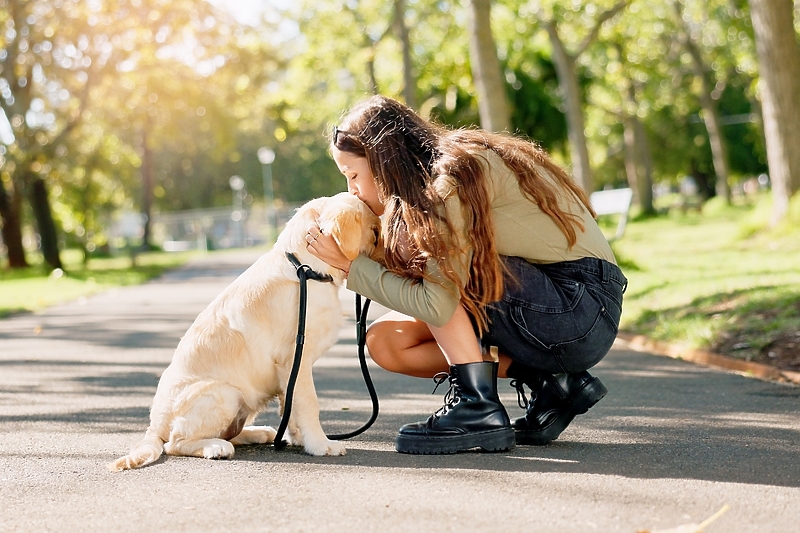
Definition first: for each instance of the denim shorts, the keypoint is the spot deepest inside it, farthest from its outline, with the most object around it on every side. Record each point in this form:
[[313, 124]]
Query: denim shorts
[[557, 317]]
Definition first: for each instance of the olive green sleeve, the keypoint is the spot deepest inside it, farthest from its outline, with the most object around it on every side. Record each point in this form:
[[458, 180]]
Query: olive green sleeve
[[425, 300], [433, 300]]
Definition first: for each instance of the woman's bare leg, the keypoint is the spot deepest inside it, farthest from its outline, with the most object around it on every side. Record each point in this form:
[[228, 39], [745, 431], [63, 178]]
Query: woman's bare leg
[[400, 343]]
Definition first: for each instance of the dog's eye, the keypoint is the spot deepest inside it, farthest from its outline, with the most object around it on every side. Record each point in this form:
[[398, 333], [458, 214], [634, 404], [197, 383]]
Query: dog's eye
[[376, 234]]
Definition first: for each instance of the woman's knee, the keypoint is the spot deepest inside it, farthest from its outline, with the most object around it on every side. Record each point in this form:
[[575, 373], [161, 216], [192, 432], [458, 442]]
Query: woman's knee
[[382, 348]]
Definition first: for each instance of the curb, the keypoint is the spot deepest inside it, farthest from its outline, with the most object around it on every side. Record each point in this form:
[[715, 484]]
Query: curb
[[641, 343]]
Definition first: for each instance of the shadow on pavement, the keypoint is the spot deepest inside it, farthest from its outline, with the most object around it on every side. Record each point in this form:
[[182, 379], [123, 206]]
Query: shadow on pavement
[[662, 419]]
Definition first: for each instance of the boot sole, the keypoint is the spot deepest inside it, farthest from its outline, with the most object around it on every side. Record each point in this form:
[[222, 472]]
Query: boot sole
[[592, 392], [498, 440]]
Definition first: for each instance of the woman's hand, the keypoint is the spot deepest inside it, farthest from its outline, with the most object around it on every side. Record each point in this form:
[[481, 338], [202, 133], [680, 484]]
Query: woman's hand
[[326, 248]]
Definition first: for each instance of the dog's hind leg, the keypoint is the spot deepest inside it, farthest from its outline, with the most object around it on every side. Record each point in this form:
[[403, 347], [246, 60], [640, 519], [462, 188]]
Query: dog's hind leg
[[254, 435], [204, 413]]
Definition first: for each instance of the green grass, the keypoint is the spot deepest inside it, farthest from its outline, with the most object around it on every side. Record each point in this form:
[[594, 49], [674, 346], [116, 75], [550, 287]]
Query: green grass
[[719, 280], [31, 289]]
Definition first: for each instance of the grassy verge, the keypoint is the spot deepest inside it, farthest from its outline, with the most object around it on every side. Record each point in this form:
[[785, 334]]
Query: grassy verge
[[716, 281], [30, 289]]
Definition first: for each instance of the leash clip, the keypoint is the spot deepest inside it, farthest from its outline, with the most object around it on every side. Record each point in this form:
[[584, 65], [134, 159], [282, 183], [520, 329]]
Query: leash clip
[[306, 272]]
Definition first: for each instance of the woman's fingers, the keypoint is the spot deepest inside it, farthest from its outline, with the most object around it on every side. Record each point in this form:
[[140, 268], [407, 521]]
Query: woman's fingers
[[313, 234], [326, 248]]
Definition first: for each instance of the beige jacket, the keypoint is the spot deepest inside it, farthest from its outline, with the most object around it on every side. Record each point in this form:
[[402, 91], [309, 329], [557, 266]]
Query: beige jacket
[[521, 229]]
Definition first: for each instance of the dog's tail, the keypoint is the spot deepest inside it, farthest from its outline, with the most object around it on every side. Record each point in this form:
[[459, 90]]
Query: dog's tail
[[147, 451]]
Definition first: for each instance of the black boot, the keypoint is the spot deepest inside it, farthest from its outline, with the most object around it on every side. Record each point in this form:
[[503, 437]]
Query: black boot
[[555, 402], [472, 416]]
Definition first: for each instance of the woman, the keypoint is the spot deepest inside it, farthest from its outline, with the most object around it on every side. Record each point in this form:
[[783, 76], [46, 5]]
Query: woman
[[487, 243]]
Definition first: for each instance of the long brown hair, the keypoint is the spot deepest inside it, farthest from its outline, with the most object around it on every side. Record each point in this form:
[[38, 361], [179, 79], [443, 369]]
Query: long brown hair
[[407, 153]]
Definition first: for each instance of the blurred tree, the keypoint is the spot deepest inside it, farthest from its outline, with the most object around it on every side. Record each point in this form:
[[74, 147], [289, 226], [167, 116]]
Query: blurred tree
[[328, 70], [45, 72], [779, 57], [691, 36], [486, 72], [665, 97], [581, 22], [535, 102], [92, 181], [167, 100], [140, 70], [409, 80], [626, 72]]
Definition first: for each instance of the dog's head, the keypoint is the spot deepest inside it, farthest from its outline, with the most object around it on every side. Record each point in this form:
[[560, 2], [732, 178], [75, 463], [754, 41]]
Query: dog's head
[[354, 227]]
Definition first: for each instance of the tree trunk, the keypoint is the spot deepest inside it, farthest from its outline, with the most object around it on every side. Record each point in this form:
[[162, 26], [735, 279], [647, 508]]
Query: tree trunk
[[711, 119], [373, 78], [779, 64], [631, 166], [44, 220], [493, 105], [637, 168], [570, 92], [645, 158], [409, 83], [147, 189], [719, 149], [11, 214]]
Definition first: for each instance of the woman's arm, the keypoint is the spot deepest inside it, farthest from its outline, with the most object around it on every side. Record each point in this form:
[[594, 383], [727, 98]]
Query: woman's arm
[[433, 302]]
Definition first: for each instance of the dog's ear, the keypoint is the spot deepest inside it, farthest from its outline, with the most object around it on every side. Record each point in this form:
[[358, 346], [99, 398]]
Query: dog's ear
[[346, 231], [311, 210], [377, 252]]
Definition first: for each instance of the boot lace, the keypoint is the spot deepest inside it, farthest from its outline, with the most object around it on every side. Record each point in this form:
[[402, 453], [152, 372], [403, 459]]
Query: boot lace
[[451, 398], [522, 396]]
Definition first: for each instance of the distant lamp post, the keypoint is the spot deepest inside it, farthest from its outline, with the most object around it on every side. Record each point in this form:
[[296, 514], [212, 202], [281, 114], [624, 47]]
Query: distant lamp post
[[266, 156], [237, 216]]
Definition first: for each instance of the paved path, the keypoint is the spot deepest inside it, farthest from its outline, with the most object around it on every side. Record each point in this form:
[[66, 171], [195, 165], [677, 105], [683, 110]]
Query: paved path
[[671, 444]]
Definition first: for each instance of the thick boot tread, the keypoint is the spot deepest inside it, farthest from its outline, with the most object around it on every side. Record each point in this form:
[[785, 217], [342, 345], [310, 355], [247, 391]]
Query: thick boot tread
[[489, 441]]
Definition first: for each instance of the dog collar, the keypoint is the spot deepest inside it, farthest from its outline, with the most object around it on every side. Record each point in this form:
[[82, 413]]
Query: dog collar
[[307, 270]]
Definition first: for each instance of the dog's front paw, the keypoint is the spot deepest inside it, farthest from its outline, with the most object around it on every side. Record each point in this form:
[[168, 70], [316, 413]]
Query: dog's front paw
[[218, 449], [326, 447]]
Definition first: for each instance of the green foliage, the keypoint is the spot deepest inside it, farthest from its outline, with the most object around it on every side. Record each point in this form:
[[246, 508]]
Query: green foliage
[[117, 85], [702, 284], [536, 108]]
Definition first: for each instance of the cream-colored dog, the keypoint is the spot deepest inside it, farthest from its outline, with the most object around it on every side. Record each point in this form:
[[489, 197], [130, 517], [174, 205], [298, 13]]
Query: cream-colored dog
[[238, 354]]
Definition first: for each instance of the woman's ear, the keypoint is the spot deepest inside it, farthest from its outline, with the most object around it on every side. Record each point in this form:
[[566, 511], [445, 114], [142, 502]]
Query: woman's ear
[[346, 231]]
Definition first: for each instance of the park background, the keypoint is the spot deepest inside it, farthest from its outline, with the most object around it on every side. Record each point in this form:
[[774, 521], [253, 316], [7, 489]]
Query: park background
[[134, 127]]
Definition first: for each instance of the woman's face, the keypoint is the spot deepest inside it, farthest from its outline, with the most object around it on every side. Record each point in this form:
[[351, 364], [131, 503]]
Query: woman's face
[[360, 181]]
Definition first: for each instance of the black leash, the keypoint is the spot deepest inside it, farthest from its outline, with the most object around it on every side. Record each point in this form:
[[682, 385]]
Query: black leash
[[304, 273]]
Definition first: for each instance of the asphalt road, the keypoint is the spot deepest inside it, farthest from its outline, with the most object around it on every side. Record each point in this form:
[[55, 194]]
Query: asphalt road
[[670, 445]]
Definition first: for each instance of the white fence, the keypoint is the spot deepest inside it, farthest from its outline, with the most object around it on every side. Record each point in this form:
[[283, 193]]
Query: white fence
[[210, 229]]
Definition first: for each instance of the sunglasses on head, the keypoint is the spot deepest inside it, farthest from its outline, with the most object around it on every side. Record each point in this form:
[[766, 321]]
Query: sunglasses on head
[[337, 131]]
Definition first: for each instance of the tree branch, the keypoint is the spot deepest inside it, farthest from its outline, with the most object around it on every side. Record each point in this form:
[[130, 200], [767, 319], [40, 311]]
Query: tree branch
[[604, 16]]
